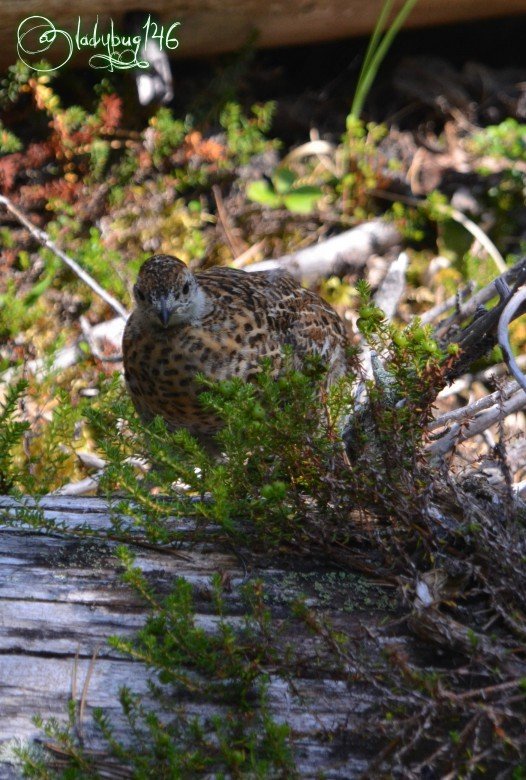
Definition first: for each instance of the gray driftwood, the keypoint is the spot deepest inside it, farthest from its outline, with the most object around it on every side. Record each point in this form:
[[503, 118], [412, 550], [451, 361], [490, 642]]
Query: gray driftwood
[[337, 256], [61, 597]]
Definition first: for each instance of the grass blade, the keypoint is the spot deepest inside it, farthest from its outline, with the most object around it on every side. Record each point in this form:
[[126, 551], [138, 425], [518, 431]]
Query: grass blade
[[375, 55]]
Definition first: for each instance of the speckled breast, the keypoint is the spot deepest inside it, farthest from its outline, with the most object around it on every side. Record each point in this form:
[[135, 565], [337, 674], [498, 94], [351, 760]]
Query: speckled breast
[[161, 372]]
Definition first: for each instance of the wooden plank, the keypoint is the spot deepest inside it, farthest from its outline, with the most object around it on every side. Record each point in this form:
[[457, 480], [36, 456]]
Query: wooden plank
[[61, 598], [213, 26]]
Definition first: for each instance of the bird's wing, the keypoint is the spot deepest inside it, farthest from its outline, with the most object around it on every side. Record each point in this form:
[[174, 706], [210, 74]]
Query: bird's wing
[[273, 292], [309, 325], [300, 317]]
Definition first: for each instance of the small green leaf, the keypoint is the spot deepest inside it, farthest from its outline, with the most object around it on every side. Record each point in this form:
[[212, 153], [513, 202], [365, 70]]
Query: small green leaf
[[283, 179], [38, 289], [302, 200], [262, 192]]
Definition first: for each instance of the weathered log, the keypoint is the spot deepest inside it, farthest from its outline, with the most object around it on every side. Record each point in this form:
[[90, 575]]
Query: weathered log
[[61, 597]]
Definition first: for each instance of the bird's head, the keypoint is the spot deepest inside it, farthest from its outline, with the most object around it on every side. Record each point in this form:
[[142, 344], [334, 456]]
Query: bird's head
[[167, 293]]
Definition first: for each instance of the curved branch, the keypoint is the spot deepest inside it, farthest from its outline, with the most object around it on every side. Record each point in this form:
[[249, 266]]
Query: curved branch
[[506, 317], [477, 233]]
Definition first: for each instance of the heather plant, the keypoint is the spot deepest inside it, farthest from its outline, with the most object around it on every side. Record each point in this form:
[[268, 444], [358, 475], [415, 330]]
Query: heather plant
[[287, 482]]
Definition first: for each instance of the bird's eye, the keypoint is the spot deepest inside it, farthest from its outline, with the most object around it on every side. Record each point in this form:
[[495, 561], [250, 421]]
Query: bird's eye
[[140, 295], [186, 287]]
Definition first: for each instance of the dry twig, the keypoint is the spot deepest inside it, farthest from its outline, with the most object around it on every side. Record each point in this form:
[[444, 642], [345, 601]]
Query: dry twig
[[513, 276], [441, 308], [43, 238], [235, 246], [460, 432], [471, 410]]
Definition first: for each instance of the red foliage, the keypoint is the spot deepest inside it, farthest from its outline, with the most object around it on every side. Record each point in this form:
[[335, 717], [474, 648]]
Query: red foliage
[[195, 146], [82, 137], [7, 259], [37, 154], [9, 167], [66, 143], [110, 112], [22, 162], [144, 159], [35, 195]]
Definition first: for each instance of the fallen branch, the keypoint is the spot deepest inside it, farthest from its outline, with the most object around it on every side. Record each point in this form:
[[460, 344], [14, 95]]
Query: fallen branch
[[388, 295], [99, 334], [109, 330], [85, 486], [43, 238], [337, 256], [469, 411], [81, 488], [460, 433]]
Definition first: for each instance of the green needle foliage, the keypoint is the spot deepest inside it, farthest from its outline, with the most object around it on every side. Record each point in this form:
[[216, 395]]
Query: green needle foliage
[[225, 671], [283, 484], [283, 480], [12, 432]]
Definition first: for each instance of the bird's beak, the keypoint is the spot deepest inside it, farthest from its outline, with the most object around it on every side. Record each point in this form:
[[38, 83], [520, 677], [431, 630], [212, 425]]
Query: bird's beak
[[164, 313]]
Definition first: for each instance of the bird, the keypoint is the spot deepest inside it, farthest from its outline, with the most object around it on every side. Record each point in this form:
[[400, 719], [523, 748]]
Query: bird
[[220, 323]]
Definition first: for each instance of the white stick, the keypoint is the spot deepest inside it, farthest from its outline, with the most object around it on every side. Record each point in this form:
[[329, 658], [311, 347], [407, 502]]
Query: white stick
[[43, 238], [388, 295]]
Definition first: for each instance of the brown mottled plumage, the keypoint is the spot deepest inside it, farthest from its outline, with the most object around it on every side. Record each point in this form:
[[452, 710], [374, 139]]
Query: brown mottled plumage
[[221, 323]]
